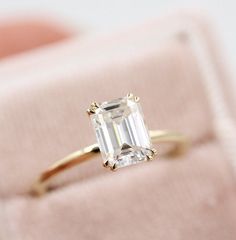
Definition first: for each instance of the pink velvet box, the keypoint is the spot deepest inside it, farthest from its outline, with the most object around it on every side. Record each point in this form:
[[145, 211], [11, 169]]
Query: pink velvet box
[[174, 65]]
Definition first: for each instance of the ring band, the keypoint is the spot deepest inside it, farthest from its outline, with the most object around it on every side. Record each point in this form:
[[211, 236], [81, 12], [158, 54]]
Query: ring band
[[115, 122]]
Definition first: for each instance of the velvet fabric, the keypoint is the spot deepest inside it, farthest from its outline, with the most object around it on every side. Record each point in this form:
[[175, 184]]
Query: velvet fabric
[[44, 95]]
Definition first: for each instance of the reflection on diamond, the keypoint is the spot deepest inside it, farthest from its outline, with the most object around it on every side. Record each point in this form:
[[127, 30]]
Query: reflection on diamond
[[121, 132]]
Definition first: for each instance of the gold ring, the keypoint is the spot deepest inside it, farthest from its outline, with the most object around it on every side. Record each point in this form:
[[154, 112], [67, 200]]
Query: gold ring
[[122, 140]]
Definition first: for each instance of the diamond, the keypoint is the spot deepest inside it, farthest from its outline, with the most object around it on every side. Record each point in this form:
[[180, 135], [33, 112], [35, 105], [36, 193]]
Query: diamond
[[121, 132]]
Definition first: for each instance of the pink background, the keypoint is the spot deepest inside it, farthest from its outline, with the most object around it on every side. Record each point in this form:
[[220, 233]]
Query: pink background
[[43, 97]]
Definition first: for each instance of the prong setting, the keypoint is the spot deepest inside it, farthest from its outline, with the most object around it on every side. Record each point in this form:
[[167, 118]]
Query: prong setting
[[113, 167], [149, 157], [152, 154], [154, 151], [106, 164], [93, 107], [132, 97]]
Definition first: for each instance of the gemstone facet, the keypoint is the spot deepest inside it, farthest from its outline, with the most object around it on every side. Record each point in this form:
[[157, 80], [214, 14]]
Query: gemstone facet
[[121, 132]]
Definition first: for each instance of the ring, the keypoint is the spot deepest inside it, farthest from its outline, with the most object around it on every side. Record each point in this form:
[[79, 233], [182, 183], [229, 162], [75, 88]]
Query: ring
[[122, 139]]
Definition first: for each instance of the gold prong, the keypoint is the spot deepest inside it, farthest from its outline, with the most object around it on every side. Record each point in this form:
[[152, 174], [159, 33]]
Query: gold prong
[[89, 111], [130, 95], [149, 157], [106, 164], [136, 99], [93, 107], [114, 167], [154, 151], [152, 154]]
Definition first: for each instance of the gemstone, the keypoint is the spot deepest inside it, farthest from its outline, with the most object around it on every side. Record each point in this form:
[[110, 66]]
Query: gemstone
[[121, 132]]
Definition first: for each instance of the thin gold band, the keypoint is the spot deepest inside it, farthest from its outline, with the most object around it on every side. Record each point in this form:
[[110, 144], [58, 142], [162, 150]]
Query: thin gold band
[[158, 136]]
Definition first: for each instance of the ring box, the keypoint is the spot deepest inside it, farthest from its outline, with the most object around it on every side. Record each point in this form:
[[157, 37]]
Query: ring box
[[173, 65]]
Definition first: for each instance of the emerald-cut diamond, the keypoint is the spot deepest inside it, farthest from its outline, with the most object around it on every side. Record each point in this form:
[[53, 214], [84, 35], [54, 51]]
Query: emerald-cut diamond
[[121, 133]]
